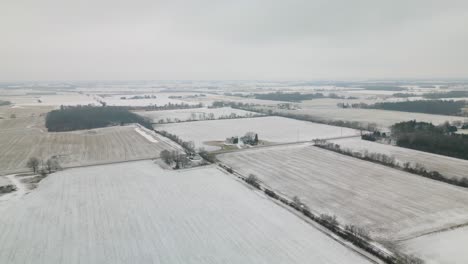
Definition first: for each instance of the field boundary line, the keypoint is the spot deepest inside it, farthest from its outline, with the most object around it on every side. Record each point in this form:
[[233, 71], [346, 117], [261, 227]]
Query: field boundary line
[[349, 244]]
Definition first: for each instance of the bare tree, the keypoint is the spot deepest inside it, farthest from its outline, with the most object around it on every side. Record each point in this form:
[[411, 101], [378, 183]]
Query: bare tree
[[33, 163], [166, 156], [52, 164]]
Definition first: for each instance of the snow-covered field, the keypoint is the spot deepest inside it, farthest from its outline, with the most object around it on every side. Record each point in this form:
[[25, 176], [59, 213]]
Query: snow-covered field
[[447, 166], [78, 147], [326, 109], [271, 129], [139, 213], [448, 247], [160, 100], [193, 114], [54, 100], [391, 204], [4, 181]]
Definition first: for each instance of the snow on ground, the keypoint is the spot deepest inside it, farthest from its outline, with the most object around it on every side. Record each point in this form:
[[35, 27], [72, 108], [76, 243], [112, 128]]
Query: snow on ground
[[390, 203], [193, 114], [448, 247], [326, 109], [146, 135], [160, 100], [4, 181], [8, 199], [139, 213], [54, 100], [447, 166], [272, 129], [76, 148]]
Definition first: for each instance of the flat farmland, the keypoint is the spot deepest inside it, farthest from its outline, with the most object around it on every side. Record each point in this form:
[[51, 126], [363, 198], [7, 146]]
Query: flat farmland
[[194, 114], [270, 129], [326, 109], [139, 213], [448, 247], [78, 147], [447, 166], [391, 204]]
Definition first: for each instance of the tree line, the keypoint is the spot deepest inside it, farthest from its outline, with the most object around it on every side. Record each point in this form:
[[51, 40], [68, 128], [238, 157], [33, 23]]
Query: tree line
[[354, 234], [87, 117], [439, 107], [390, 161], [430, 138]]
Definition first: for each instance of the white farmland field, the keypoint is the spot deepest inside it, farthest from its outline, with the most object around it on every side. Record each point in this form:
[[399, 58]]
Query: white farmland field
[[160, 100], [448, 247], [447, 166], [139, 213], [193, 114], [271, 129], [78, 147], [326, 109], [391, 204]]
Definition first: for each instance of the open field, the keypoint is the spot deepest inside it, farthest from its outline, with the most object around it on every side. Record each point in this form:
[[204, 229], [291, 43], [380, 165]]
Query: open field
[[139, 213], [271, 129], [326, 109], [448, 247], [23, 111], [51, 99], [391, 204], [447, 166], [160, 100], [193, 114], [78, 147]]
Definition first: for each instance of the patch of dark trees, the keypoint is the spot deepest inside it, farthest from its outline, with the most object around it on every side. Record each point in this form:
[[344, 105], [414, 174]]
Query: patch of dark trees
[[430, 138], [390, 161], [439, 107], [87, 117], [2, 102], [403, 95], [356, 235]]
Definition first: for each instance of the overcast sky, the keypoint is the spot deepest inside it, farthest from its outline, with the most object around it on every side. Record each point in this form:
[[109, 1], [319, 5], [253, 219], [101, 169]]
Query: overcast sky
[[235, 39]]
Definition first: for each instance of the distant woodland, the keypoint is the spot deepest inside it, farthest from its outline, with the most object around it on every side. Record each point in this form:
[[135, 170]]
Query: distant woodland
[[2, 102], [430, 138], [439, 107], [88, 117]]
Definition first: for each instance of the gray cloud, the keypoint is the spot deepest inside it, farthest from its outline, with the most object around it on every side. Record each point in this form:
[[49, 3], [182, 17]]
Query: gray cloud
[[242, 39]]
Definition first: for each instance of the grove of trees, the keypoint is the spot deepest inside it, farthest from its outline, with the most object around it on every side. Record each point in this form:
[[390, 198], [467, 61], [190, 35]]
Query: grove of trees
[[88, 117], [430, 138], [439, 107]]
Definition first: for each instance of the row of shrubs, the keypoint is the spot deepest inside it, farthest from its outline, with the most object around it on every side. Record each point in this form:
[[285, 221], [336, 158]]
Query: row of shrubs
[[356, 235], [188, 146], [302, 117], [390, 161]]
